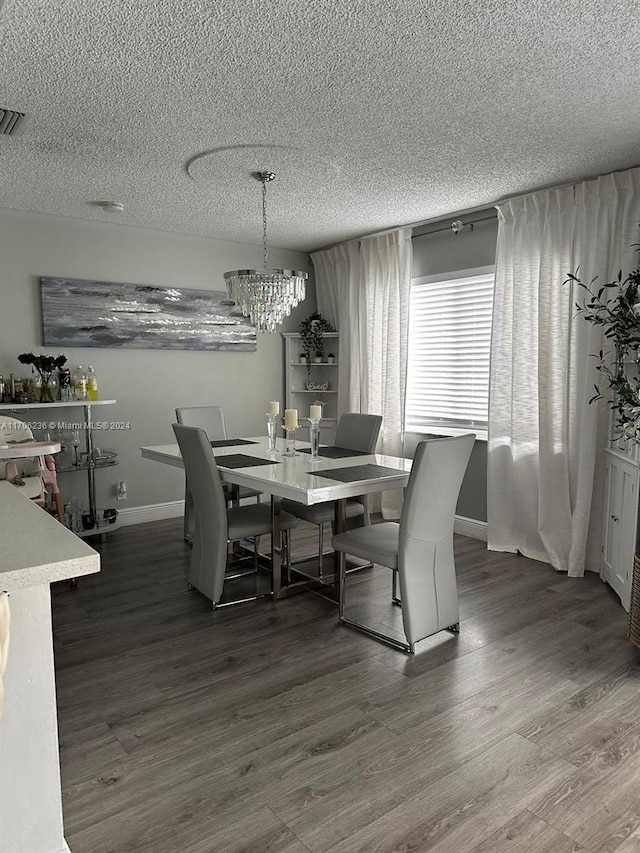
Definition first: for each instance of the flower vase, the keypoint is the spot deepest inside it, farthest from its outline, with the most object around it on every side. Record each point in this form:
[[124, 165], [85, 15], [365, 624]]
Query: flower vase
[[48, 388]]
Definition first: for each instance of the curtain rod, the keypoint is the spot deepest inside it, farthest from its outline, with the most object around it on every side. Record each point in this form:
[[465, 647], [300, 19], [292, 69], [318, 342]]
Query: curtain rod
[[424, 230], [418, 226]]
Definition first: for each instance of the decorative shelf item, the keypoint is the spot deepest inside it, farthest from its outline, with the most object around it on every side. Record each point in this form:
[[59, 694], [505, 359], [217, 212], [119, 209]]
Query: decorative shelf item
[[313, 382], [45, 367], [313, 331]]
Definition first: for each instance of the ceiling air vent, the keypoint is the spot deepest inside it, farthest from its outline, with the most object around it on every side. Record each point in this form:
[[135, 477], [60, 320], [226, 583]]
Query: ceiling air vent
[[10, 122]]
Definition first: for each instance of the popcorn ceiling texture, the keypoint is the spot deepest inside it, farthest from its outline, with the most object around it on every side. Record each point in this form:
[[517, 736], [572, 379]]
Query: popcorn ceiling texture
[[372, 113]]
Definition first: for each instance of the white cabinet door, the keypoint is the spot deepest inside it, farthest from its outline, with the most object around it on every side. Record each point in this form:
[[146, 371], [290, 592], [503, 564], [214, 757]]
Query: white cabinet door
[[621, 513]]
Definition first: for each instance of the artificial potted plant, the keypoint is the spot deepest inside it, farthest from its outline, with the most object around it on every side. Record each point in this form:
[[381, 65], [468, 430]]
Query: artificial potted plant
[[615, 306], [311, 331], [619, 315]]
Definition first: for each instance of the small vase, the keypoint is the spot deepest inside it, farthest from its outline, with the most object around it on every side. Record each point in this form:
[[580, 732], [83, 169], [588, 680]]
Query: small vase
[[48, 388]]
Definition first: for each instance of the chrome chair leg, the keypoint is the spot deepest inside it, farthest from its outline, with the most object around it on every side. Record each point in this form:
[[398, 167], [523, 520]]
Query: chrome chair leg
[[341, 585], [286, 553], [320, 550], [394, 589], [409, 648]]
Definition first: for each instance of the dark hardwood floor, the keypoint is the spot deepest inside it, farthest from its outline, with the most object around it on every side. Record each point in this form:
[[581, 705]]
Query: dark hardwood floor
[[269, 727]]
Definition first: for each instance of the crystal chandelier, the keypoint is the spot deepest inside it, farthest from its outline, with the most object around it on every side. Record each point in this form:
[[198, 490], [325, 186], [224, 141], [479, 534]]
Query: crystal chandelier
[[265, 296]]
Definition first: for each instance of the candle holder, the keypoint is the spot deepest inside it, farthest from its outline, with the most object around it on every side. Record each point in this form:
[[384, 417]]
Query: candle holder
[[290, 442], [314, 438], [271, 432]]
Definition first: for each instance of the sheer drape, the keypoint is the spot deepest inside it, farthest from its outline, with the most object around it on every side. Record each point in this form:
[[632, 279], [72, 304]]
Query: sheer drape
[[545, 440], [363, 289], [337, 274]]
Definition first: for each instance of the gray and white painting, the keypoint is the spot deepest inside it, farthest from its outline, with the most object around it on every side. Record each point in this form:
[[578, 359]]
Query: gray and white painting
[[81, 313]]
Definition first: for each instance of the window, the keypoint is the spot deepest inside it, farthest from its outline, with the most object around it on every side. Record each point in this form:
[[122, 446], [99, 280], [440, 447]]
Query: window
[[449, 339]]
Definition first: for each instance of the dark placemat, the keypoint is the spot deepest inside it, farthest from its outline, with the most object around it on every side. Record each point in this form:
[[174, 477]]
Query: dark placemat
[[230, 442], [241, 460], [336, 452], [358, 472]]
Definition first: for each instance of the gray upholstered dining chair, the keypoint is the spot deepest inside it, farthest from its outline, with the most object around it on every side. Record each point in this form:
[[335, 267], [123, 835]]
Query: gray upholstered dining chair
[[216, 524], [420, 547], [354, 432], [211, 420]]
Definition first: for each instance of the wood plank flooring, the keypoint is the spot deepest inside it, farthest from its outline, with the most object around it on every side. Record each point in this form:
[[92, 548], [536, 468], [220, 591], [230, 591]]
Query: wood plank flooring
[[269, 728]]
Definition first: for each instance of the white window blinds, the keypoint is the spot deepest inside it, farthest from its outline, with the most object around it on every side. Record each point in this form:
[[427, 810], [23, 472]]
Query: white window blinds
[[449, 339]]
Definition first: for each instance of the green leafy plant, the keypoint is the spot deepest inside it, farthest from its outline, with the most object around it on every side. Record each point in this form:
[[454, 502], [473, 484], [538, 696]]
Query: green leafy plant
[[615, 306], [311, 331]]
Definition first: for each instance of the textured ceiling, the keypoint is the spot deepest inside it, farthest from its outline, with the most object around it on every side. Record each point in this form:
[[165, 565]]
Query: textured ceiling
[[373, 113]]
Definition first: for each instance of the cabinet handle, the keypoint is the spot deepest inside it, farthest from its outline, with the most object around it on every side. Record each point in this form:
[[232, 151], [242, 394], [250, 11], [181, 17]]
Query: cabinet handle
[[615, 518]]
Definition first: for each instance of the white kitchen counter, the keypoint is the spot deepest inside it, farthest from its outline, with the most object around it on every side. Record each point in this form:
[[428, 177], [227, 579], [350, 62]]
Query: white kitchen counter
[[35, 550]]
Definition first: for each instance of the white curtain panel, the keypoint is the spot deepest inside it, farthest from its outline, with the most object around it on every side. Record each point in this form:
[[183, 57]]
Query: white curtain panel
[[545, 462], [337, 274], [363, 289]]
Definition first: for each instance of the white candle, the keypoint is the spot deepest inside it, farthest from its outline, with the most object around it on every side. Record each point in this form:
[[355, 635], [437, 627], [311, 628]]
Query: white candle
[[274, 407], [291, 419], [315, 413]]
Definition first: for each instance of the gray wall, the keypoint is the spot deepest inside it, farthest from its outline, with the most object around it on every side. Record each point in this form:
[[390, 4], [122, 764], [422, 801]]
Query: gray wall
[[147, 384], [445, 252]]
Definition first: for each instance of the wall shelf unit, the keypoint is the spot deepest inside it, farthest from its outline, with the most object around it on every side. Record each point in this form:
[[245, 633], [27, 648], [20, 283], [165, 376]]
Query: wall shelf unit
[[43, 422], [297, 376]]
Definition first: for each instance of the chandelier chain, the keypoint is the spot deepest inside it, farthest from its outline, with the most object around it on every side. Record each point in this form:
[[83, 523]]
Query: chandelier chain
[[265, 253]]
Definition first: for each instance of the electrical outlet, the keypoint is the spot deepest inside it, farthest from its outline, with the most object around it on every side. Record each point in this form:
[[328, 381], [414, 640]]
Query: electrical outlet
[[121, 491]]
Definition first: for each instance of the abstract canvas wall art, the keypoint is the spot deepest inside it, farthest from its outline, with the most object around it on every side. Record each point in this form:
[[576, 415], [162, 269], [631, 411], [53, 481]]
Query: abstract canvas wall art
[[82, 313]]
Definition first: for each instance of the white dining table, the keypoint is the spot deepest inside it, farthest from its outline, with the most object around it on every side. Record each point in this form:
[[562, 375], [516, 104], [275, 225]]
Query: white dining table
[[301, 479]]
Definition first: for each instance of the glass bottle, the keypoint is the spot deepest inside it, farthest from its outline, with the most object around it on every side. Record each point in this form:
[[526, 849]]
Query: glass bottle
[[64, 380], [92, 384], [80, 383]]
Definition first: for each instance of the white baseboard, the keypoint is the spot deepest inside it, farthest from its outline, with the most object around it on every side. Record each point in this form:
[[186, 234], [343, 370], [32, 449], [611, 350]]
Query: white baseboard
[[470, 527], [175, 509], [151, 512]]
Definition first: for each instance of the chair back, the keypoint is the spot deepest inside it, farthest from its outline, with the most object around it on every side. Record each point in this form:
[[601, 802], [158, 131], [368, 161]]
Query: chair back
[[426, 565], [209, 554], [208, 418], [28, 468], [358, 432]]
